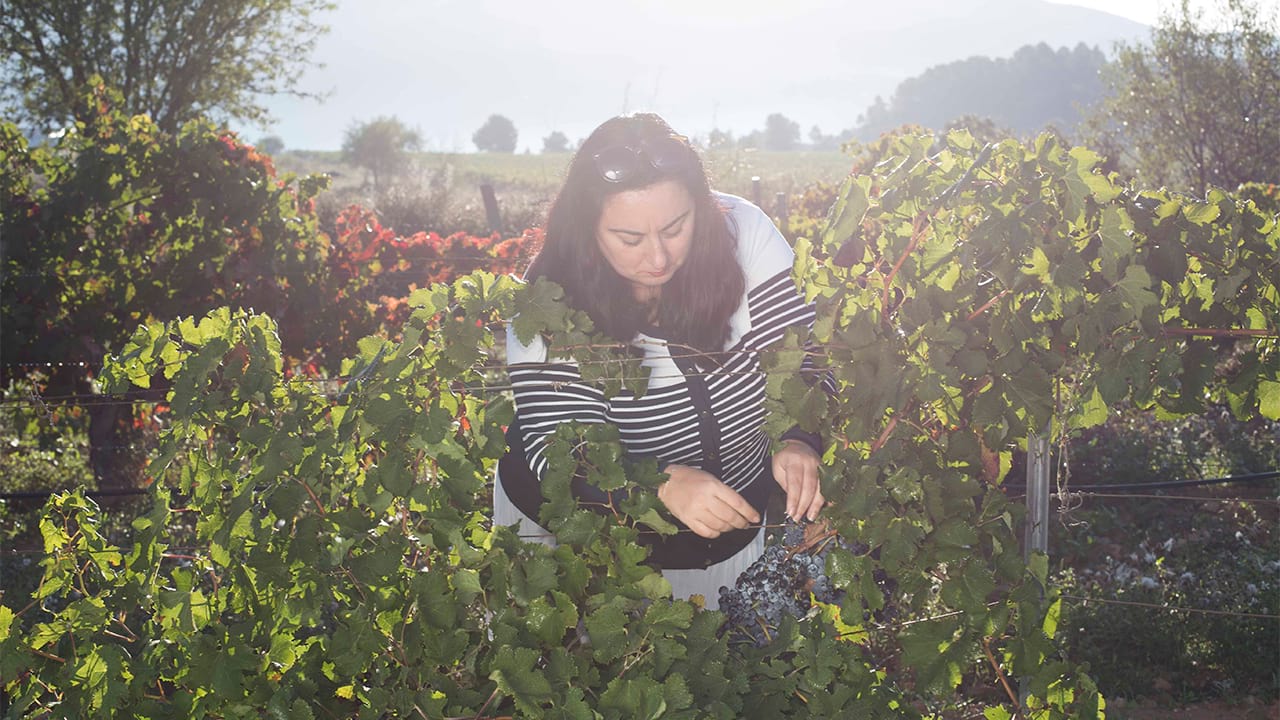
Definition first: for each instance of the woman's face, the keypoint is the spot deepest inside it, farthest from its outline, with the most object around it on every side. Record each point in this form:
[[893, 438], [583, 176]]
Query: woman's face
[[645, 234]]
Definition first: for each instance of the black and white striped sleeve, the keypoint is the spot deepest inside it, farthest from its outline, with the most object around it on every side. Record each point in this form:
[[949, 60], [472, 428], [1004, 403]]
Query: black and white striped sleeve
[[776, 303], [547, 394]]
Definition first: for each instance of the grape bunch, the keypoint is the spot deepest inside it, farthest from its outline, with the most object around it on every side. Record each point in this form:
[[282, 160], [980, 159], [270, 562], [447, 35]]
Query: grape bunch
[[786, 580]]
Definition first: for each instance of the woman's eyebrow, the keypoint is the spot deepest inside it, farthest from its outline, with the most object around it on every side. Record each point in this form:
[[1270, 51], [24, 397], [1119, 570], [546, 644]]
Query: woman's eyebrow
[[677, 221], [668, 226]]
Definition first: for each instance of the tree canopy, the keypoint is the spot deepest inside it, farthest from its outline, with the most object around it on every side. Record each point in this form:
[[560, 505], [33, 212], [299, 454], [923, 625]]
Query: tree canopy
[[174, 60], [781, 132], [1035, 87], [497, 134], [1200, 104], [556, 142], [381, 146]]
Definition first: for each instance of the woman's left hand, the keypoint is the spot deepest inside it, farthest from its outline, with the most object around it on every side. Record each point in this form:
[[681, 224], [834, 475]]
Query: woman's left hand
[[795, 467]]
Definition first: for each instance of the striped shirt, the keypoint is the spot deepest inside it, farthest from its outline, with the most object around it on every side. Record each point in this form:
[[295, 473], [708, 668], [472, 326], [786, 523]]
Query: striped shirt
[[697, 414]]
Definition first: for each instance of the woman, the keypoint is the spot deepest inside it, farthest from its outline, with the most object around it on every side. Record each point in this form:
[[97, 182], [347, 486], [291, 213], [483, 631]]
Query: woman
[[698, 282]]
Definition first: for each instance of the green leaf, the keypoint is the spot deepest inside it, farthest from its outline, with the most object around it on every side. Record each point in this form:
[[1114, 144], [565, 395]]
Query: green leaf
[[1038, 564], [1135, 290], [608, 629], [430, 299], [956, 532], [654, 519], [541, 310], [1037, 265], [846, 214], [1083, 181], [1051, 617], [1201, 213], [842, 566], [544, 621], [6, 622], [1117, 246], [1093, 412], [1269, 399], [515, 671], [930, 649]]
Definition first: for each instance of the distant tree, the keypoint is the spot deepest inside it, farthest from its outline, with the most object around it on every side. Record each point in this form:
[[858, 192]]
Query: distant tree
[[171, 60], [556, 142], [271, 145], [983, 129], [822, 142], [381, 146], [781, 133], [497, 134], [719, 139], [1035, 87], [1197, 106]]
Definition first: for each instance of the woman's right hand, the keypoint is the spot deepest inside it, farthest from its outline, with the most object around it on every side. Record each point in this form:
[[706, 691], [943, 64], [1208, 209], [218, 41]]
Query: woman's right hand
[[703, 503]]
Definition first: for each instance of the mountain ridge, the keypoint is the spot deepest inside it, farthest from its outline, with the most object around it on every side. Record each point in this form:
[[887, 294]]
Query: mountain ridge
[[445, 65]]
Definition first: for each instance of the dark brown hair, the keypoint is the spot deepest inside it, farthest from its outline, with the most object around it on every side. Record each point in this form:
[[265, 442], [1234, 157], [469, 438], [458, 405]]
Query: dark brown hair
[[696, 303]]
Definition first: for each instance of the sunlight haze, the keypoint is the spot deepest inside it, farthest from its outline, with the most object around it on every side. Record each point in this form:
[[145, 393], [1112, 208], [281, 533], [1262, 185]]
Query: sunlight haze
[[444, 66]]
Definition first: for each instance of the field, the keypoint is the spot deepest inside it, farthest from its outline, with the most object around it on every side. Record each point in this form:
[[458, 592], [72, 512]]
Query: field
[[449, 183]]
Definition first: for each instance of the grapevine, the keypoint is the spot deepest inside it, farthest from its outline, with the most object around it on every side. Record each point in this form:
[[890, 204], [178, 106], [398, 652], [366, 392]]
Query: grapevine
[[313, 551]]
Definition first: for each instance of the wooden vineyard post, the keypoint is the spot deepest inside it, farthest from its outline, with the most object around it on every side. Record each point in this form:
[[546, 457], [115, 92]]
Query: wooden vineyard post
[[492, 216]]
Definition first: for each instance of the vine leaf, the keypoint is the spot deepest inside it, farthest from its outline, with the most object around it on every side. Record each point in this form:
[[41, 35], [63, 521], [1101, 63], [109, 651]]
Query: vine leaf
[[1269, 399]]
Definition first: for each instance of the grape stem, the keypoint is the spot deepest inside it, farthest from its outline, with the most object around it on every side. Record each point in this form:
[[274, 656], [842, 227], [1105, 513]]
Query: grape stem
[[764, 628], [810, 544]]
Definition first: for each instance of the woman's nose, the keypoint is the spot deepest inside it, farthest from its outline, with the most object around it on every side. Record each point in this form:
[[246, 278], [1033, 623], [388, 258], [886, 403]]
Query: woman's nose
[[658, 254]]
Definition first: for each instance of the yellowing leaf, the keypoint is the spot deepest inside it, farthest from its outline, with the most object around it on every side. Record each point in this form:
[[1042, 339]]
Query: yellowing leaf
[[1201, 213], [1269, 399], [1051, 616]]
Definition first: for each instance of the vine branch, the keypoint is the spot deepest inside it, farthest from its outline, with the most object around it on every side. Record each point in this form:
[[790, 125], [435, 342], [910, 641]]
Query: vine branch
[[1013, 697]]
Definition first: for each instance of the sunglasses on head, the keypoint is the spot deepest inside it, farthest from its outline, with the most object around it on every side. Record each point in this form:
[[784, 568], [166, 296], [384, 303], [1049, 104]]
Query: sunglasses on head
[[618, 163]]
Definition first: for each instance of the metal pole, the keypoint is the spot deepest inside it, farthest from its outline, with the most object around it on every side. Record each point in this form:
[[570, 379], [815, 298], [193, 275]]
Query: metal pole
[[1036, 533], [780, 209], [1037, 530], [756, 196]]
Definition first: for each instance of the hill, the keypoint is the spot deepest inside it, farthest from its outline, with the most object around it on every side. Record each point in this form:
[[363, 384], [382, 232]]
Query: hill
[[565, 65]]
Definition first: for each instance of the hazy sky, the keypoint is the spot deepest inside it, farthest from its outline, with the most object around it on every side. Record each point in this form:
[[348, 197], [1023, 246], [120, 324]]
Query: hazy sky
[[1143, 11], [1148, 11], [443, 66]]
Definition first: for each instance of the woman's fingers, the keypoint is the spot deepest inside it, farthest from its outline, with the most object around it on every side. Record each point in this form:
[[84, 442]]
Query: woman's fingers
[[816, 500], [704, 504], [796, 470], [740, 512]]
